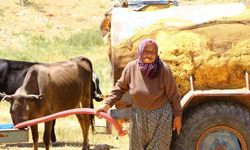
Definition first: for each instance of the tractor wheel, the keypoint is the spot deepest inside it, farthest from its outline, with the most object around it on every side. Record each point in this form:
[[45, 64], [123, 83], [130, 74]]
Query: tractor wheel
[[215, 126]]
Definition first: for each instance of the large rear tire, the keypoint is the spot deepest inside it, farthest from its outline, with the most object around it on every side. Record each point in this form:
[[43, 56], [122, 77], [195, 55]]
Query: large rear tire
[[215, 126]]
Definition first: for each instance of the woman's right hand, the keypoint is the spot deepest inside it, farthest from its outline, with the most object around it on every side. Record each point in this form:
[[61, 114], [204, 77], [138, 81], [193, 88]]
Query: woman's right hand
[[103, 108]]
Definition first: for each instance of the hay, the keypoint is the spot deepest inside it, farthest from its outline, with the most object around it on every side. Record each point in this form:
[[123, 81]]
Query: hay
[[216, 53]]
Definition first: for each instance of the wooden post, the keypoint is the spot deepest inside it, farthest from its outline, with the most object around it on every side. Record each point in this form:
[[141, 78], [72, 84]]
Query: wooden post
[[108, 128]]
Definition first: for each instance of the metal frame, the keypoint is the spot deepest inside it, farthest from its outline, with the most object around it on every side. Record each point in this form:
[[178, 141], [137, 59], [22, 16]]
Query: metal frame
[[224, 92]]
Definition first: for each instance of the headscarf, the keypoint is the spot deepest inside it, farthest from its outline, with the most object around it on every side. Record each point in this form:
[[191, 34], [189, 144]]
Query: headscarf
[[151, 69]]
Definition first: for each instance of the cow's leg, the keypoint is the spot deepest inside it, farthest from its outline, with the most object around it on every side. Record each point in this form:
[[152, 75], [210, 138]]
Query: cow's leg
[[84, 122], [53, 135], [34, 131], [46, 134]]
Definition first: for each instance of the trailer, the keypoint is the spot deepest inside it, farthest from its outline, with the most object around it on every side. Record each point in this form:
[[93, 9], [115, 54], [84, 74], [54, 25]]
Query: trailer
[[214, 88]]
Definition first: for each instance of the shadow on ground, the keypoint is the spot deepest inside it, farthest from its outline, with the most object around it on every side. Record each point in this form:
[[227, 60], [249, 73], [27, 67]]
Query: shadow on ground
[[64, 144]]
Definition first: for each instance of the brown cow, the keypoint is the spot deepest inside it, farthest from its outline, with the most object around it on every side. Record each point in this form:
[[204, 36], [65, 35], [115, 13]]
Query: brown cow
[[50, 88], [12, 74]]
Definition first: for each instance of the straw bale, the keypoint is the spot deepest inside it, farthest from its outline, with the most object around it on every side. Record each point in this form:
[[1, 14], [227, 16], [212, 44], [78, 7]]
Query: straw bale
[[216, 53]]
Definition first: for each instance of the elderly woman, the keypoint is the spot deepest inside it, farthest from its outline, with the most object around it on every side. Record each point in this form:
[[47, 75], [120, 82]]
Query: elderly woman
[[154, 96]]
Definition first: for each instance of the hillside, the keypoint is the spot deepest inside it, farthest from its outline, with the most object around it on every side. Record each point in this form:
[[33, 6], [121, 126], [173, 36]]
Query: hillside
[[50, 18]]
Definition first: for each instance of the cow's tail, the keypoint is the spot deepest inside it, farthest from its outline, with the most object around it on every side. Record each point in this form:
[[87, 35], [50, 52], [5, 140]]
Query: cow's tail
[[92, 117]]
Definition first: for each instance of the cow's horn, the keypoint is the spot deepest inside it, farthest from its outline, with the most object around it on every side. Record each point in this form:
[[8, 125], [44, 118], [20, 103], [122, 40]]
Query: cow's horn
[[35, 96], [6, 97]]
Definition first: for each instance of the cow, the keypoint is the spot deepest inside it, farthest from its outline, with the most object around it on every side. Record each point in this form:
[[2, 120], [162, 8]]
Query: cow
[[50, 88], [12, 74]]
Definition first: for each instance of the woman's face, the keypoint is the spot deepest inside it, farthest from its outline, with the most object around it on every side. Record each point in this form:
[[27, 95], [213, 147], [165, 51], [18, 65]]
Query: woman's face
[[149, 53]]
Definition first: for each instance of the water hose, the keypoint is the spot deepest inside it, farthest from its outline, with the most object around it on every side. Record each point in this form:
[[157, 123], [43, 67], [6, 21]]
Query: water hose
[[73, 112]]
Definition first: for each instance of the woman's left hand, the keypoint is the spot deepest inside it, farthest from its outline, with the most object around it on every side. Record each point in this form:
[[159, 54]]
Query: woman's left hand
[[177, 124]]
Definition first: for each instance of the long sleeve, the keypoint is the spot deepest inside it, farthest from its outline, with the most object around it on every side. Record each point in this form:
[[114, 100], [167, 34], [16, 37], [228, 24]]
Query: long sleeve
[[121, 87], [172, 92]]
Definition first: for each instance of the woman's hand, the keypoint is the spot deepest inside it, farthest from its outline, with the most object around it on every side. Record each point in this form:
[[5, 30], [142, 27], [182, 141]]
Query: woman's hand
[[103, 108], [177, 124]]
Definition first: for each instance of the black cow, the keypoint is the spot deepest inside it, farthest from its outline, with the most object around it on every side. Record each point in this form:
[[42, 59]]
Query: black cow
[[12, 74], [50, 88]]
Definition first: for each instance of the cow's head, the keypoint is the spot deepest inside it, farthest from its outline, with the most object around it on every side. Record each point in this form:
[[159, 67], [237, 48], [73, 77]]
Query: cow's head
[[23, 106], [96, 91]]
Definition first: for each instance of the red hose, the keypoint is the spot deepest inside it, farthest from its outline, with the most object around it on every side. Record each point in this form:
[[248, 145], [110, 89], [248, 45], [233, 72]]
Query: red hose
[[72, 112]]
